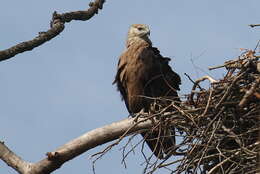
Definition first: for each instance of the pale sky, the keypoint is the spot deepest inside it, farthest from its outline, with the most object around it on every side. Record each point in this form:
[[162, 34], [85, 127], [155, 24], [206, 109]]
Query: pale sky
[[63, 88]]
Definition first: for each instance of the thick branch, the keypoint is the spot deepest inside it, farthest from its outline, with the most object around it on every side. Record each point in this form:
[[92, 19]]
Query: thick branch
[[57, 26], [77, 146], [13, 160]]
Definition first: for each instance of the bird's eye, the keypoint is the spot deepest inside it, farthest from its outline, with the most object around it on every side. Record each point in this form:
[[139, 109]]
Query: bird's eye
[[139, 28]]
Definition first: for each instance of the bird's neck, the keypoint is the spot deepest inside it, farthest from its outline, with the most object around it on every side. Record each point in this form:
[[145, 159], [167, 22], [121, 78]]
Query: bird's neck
[[138, 40]]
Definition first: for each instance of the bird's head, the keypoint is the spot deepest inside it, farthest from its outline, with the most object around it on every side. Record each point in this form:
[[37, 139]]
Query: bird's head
[[138, 32]]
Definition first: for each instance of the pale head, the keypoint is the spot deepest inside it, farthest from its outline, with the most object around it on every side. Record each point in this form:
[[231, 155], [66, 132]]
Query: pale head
[[138, 32]]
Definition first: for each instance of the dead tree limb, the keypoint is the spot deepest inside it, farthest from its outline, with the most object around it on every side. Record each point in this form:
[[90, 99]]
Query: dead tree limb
[[56, 27], [89, 140], [13, 160]]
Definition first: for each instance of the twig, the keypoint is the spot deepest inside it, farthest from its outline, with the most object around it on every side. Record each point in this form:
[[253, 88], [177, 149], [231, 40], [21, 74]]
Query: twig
[[225, 65], [208, 103], [254, 25], [229, 89], [57, 26], [125, 154], [256, 45], [196, 83], [191, 80], [249, 93], [207, 146], [221, 163]]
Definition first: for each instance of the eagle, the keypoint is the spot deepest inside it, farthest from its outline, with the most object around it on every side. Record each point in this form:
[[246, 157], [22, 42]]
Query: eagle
[[142, 75]]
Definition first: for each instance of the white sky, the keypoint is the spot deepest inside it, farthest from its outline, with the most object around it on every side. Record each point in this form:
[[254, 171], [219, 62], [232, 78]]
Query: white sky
[[64, 88]]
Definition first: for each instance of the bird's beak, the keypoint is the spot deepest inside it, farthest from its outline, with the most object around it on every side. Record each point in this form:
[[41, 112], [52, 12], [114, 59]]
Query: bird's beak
[[148, 33]]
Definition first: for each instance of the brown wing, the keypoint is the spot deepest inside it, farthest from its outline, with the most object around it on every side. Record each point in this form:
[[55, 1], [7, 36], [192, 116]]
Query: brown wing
[[161, 80], [120, 79], [131, 77]]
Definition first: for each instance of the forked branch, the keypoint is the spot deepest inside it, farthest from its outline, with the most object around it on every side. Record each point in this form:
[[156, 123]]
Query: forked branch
[[56, 27], [13, 160]]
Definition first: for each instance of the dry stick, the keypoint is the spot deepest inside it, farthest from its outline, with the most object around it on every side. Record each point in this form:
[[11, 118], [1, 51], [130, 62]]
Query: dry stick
[[225, 64], [224, 156], [188, 115], [190, 152], [232, 134], [256, 46], [13, 160], [249, 93], [192, 80], [154, 165], [206, 148], [170, 163], [147, 160], [161, 164], [125, 154], [57, 26], [197, 84], [254, 25], [209, 125], [221, 66], [233, 61], [222, 162], [229, 89], [150, 165], [208, 103]]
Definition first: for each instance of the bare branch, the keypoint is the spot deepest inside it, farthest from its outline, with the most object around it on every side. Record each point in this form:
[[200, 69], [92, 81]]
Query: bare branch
[[57, 26], [13, 160], [249, 93], [75, 147], [254, 25]]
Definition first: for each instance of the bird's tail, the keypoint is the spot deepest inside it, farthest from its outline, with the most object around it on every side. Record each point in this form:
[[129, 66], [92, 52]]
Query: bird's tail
[[160, 142]]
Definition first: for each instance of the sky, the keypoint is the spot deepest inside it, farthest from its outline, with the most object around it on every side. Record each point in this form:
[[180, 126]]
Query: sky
[[63, 88]]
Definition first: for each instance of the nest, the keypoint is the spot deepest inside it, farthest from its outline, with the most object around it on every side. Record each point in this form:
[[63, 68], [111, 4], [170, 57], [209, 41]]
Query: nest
[[220, 125]]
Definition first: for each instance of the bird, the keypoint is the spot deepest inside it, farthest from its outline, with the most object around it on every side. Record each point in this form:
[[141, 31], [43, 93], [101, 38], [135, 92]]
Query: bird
[[143, 74]]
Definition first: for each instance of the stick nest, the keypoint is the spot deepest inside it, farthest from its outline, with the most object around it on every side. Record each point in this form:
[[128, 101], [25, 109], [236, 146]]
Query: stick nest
[[220, 126]]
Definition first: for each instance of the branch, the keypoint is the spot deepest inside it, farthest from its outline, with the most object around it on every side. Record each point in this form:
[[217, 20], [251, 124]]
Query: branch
[[72, 149], [249, 93], [254, 25], [56, 27], [12, 160]]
